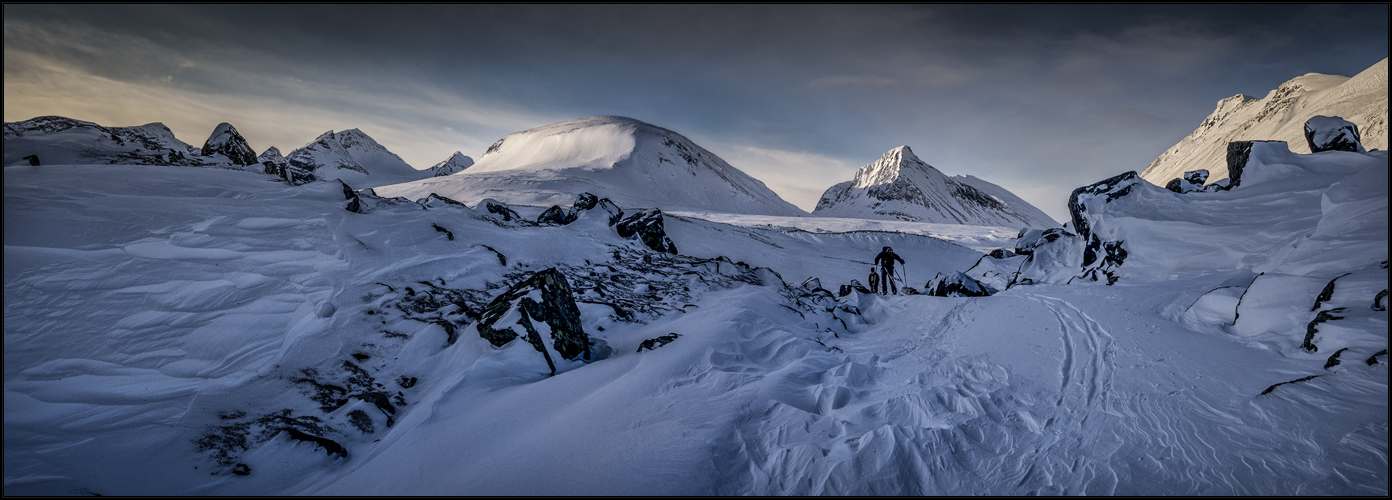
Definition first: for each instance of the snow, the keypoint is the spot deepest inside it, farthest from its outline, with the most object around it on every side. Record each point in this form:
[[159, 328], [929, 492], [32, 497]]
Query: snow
[[154, 315], [354, 157], [1280, 116], [900, 186], [631, 162], [454, 164]]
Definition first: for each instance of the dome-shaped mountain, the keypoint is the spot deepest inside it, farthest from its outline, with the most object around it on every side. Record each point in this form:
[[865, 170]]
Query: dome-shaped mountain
[[353, 157], [899, 186], [633, 163]]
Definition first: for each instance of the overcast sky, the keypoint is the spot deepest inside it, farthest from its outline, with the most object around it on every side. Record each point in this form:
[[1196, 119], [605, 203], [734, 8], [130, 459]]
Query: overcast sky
[[1037, 99]]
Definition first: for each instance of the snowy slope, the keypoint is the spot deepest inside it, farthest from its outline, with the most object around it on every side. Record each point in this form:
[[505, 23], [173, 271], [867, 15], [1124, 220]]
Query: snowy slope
[[1279, 116], [353, 157], [626, 160], [899, 186], [454, 164], [56, 140]]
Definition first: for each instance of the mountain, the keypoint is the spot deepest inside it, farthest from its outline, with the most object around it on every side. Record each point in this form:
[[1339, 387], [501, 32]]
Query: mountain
[[55, 140], [899, 186], [1279, 116], [227, 142], [633, 163], [353, 157], [454, 164]]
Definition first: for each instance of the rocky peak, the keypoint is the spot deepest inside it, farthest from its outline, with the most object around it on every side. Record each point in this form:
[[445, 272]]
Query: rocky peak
[[888, 168], [453, 165], [227, 142]]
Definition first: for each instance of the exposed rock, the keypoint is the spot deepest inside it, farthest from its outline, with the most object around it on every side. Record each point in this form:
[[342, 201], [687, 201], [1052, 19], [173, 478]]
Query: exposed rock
[[241, 469], [957, 284], [330, 446], [33, 160], [1313, 327], [1372, 360], [1378, 304], [1331, 133], [1238, 154], [1334, 359], [615, 213], [556, 216], [544, 297], [585, 201], [499, 208], [454, 164], [1192, 181], [1001, 253], [447, 232], [1274, 386], [647, 225], [655, 343], [227, 142], [354, 201], [1327, 293], [1031, 238], [1090, 198]]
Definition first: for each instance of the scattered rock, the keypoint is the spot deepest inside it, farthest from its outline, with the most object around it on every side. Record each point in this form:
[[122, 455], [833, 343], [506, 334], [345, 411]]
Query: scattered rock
[[447, 232], [1372, 360], [1001, 253], [1378, 304], [555, 215], [499, 208], [1191, 181], [647, 225], [330, 446], [655, 343], [1327, 293], [406, 382], [1274, 386], [544, 297], [241, 469], [1312, 328], [1331, 133], [33, 160], [1334, 359]]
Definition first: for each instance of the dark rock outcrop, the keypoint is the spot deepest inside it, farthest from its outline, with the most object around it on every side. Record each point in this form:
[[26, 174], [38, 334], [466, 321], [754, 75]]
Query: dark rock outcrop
[[556, 216], [33, 160], [1191, 181], [1238, 154], [556, 309], [354, 201], [957, 284], [1331, 133], [655, 343], [647, 225], [1109, 189], [1313, 328], [227, 142], [499, 208]]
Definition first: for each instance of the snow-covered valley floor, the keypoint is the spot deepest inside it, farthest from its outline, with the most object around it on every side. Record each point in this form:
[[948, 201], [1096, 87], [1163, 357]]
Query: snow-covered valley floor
[[193, 331]]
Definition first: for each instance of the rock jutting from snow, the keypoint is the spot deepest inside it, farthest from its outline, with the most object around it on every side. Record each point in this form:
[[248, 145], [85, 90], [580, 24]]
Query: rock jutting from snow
[[900, 186], [647, 225], [227, 142], [65, 141], [544, 297], [454, 164], [957, 284], [1331, 133], [1191, 181], [1239, 153]]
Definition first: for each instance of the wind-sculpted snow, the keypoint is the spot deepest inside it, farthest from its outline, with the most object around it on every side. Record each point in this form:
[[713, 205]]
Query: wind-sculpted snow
[[636, 164], [209, 331]]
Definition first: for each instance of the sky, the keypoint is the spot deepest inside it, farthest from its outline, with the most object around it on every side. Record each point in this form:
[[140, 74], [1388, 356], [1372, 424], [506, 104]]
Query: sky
[[1039, 99]]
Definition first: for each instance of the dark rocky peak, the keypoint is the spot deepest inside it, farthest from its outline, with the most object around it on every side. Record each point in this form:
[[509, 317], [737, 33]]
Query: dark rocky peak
[[226, 141]]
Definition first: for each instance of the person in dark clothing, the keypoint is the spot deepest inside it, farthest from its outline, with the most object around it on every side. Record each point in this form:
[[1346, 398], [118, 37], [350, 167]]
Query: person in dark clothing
[[886, 260]]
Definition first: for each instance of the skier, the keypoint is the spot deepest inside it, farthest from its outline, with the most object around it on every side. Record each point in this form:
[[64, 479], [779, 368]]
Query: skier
[[874, 281], [886, 260]]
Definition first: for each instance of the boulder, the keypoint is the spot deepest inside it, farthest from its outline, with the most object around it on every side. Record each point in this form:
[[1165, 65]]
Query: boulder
[[957, 284], [544, 298], [1090, 198], [556, 216], [227, 142], [1192, 180], [354, 201], [1238, 154], [647, 225], [1331, 133]]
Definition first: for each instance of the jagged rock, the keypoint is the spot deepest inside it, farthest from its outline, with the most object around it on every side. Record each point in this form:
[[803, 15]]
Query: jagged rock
[[1334, 359], [447, 232], [241, 469], [1192, 181], [555, 215], [647, 225], [1313, 328], [1378, 304], [1031, 238], [615, 213], [544, 297], [1327, 293], [1090, 198], [1001, 253], [354, 201], [1372, 360], [655, 343], [33, 160], [499, 208], [227, 142], [585, 201], [854, 286], [330, 446], [1331, 133], [957, 284]]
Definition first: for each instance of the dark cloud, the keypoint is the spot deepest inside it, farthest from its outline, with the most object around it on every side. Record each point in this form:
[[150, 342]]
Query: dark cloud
[[1067, 93]]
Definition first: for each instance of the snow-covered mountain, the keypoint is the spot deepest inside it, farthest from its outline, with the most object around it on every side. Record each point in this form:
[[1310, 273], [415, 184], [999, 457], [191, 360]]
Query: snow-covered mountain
[[353, 157], [1280, 116], [900, 186], [454, 164], [55, 140], [231, 145], [626, 160]]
